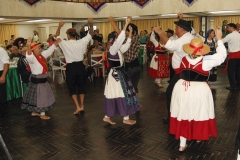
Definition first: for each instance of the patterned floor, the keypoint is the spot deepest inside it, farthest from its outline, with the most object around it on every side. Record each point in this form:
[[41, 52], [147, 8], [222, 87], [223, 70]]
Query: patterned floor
[[69, 137]]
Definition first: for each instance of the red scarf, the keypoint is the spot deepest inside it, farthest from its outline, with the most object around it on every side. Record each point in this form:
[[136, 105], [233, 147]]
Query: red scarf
[[42, 60]]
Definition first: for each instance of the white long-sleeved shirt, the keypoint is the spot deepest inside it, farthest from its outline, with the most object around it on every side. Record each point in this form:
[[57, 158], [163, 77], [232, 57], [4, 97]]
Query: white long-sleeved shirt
[[210, 61], [74, 50], [36, 67], [126, 45], [115, 48], [4, 58], [176, 46], [233, 40]]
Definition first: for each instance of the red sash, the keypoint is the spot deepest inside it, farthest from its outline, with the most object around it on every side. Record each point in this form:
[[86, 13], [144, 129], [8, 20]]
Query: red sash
[[42, 60], [176, 70], [232, 55]]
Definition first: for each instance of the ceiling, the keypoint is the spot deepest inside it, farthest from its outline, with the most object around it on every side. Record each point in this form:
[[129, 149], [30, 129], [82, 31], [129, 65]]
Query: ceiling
[[23, 20]]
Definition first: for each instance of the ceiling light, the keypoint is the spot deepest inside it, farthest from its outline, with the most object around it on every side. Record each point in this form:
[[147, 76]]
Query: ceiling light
[[1, 19], [169, 14], [39, 20], [218, 12]]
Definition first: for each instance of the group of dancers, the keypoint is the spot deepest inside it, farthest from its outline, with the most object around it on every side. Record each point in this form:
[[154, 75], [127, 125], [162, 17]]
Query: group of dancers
[[189, 99]]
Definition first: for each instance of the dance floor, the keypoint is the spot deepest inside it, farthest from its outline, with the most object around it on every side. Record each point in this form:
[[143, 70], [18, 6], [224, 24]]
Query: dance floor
[[69, 137]]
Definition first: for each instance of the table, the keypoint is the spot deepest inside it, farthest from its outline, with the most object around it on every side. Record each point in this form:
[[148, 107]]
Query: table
[[13, 84]]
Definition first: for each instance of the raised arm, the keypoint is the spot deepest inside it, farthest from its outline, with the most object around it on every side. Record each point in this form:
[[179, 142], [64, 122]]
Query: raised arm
[[51, 49], [153, 39], [60, 24], [219, 57], [126, 45], [118, 43], [161, 34], [111, 20], [90, 24]]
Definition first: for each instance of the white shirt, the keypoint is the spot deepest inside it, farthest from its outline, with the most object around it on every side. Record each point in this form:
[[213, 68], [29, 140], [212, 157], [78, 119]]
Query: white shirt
[[4, 58], [36, 67], [210, 61], [35, 38], [233, 40], [74, 50], [176, 46], [115, 48], [126, 45]]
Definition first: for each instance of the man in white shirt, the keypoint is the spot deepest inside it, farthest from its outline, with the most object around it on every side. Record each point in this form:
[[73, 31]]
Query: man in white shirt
[[4, 65], [233, 65], [183, 29], [74, 50], [170, 34]]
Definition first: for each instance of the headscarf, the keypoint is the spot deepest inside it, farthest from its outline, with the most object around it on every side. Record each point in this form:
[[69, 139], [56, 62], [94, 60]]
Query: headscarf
[[207, 35]]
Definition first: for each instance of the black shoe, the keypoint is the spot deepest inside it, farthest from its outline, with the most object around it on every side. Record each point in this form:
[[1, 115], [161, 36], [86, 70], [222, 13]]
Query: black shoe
[[232, 89], [166, 121]]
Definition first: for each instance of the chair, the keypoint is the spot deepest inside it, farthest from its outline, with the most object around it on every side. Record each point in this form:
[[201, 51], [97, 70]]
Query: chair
[[96, 64], [63, 66], [144, 54], [54, 68]]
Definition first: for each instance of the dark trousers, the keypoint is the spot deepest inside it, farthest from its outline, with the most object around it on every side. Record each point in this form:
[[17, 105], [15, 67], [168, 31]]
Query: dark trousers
[[3, 96], [170, 90], [237, 144], [75, 78], [234, 72], [134, 75], [171, 72]]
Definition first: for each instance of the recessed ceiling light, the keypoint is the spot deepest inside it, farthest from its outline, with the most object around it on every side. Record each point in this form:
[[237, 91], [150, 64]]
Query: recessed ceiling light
[[39, 20], [218, 12], [169, 14]]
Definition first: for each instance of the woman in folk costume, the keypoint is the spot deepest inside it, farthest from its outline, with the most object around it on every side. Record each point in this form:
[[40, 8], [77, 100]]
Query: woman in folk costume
[[159, 63], [119, 94], [210, 41], [39, 97], [192, 108]]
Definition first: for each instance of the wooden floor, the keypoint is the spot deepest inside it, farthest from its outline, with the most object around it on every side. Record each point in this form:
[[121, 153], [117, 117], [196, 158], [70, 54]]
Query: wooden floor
[[67, 137]]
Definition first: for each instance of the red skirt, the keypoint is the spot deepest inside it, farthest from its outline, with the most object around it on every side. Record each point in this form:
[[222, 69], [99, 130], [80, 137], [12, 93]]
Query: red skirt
[[193, 130], [159, 66]]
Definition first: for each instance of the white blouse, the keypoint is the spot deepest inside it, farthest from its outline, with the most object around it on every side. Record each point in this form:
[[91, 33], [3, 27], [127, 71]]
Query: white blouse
[[210, 61], [36, 67]]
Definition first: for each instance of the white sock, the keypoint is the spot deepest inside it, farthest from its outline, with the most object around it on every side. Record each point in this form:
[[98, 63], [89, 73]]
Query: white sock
[[42, 113], [158, 80], [238, 156], [183, 141], [126, 117]]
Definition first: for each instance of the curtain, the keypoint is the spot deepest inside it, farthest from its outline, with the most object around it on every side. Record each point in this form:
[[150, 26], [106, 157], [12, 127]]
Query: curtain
[[218, 21], [146, 24], [6, 30], [106, 28], [169, 23]]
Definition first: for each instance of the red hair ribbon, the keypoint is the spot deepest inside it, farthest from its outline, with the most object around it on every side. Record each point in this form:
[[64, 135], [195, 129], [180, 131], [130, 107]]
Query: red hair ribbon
[[197, 49], [33, 46]]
